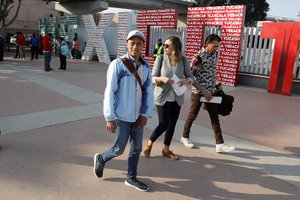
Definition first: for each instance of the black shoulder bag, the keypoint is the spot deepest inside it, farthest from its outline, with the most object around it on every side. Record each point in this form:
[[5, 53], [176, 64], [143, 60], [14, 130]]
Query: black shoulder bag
[[132, 70], [225, 107]]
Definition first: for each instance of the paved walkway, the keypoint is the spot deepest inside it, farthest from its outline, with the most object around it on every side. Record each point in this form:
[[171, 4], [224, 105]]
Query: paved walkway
[[52, 125]]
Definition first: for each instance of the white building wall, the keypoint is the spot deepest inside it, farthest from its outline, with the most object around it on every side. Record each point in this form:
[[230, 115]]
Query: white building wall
[[30, 13]]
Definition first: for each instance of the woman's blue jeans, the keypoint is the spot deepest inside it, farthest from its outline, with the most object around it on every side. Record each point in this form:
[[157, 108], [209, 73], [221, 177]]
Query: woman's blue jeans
[[125, 131]]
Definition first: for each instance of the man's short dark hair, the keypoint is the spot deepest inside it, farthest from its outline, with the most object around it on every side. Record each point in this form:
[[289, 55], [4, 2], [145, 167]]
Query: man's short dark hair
[[212, 38]]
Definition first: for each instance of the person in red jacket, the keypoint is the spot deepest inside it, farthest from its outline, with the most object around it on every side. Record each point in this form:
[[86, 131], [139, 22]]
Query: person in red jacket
[[21, 44], [47, 49], [75, 49]]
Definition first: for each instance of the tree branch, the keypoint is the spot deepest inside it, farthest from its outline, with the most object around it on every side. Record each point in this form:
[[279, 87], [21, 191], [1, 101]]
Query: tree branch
[[15, 16]]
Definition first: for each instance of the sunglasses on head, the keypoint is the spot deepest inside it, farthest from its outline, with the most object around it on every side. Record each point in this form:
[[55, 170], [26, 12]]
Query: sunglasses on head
[[166, 46]]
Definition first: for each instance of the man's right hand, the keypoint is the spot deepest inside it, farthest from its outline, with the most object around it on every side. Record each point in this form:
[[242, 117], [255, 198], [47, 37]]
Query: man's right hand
[[208, 96], [111, 126]]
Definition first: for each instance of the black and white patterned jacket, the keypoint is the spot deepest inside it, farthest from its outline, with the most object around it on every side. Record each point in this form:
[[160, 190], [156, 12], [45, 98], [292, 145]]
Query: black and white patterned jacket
[[204, 67]]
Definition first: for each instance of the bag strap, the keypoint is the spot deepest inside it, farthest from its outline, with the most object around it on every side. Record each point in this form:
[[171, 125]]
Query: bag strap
[[162, 59], [132, 70], [196, 64]]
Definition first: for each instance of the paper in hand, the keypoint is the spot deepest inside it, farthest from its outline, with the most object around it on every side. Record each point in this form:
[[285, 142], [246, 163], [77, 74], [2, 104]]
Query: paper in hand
[[177, 89], [217, 100]]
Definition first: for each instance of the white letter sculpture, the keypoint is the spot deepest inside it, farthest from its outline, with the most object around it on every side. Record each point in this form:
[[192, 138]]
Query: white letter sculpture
[[95, 37], [124, 27]]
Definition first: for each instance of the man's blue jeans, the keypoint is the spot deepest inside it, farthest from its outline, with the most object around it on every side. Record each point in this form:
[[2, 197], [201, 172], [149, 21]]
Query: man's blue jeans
[[124, 131], [47, 60]]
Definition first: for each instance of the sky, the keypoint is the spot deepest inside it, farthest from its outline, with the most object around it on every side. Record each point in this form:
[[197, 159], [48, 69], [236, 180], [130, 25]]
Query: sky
[[284, 8]]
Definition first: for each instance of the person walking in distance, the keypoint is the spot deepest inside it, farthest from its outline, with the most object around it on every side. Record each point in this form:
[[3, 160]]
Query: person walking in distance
[[127, 104], [205, 64]]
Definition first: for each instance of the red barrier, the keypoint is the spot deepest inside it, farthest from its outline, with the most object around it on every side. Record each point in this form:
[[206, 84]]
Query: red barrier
[[287, 36]]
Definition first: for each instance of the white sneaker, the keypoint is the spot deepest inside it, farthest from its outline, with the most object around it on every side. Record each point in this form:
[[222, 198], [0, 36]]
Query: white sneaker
[[186, 142], [224, 148]]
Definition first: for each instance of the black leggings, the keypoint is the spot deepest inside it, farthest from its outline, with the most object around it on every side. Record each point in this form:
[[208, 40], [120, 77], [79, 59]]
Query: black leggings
[[167, 115], [63, 61]]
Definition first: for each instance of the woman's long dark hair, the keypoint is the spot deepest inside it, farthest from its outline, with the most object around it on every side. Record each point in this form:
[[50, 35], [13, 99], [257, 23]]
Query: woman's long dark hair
[[177, 46]]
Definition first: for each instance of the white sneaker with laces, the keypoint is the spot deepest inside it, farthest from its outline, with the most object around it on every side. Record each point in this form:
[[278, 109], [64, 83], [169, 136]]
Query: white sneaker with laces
[[224, 148], [186, 142]]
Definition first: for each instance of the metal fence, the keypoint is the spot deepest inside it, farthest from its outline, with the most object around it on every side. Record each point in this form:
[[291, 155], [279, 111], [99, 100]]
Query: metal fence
[[157, 32], [256, 55]]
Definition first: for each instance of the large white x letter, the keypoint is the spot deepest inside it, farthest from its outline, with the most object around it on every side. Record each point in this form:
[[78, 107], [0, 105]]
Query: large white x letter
[[95, 40], [124, 27]]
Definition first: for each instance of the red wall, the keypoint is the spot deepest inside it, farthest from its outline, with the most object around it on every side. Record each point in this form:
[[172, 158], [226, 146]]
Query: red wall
[[163, 18], [231, 19]]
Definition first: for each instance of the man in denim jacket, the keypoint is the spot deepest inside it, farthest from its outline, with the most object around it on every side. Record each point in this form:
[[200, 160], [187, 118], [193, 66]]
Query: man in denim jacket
[[126, 108]]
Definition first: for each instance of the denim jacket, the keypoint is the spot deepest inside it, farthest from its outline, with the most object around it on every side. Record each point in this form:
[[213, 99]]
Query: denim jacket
[[124, 99]]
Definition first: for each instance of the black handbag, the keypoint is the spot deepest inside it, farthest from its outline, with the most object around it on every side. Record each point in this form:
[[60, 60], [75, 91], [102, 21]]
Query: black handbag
[[225, 107]]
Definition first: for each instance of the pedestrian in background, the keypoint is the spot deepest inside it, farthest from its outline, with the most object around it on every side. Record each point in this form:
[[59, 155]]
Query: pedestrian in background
[[7, 41], [47, 50], [158, 48], [75, 50], [63, 52], [2, 42], [34, 46], [21, 44], [83, 47], [168, 103], [205, 65], [40, 44], [17, 46], [0, 146], [127, 104]]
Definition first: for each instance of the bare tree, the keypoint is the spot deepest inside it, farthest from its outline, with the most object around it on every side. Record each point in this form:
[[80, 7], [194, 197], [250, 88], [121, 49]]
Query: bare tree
[[6, 15]]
